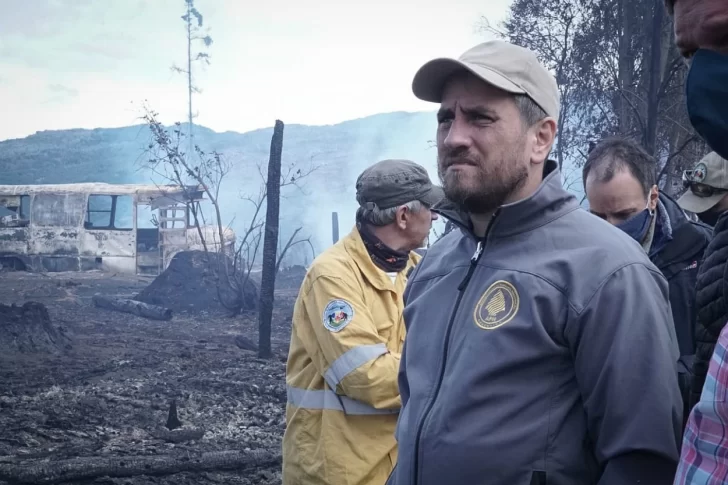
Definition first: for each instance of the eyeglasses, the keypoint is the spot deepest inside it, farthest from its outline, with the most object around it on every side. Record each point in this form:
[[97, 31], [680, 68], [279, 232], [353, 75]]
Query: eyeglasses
[[700, 190]]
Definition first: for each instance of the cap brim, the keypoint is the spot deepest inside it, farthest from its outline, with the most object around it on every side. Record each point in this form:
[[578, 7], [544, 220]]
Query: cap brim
[[430, 78], [693, 203], [433, 196]]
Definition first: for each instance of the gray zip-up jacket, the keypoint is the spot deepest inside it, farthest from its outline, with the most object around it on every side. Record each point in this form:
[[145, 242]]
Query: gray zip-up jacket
[[540, 356]]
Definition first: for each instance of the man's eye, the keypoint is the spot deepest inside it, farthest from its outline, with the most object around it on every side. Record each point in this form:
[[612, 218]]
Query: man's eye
[[483, 119]]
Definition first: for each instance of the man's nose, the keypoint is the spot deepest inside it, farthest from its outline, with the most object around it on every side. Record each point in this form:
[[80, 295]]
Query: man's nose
[[434, 216], [458, 135]]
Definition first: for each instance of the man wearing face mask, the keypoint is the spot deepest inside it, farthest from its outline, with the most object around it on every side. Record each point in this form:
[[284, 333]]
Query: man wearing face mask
[[621, 187], [700, 34]]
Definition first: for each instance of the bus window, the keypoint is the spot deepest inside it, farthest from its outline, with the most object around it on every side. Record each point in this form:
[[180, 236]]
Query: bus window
[[15, 212], [124, 212], [110, 212]]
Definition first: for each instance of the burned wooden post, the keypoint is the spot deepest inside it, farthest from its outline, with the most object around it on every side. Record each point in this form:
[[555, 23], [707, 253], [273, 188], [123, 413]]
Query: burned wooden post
[[270, 243], [173, 421], [335, 226]]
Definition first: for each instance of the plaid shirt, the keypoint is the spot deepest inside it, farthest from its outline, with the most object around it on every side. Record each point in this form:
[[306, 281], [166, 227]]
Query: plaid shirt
[[704, 456]]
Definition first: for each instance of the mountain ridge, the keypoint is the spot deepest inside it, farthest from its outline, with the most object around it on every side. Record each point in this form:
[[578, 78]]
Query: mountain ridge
[[341, 151]]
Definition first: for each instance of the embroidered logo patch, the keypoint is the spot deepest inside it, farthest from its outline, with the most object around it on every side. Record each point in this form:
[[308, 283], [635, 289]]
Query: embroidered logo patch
[[700, 172], [692, 265], [338, 314], [498, 305]]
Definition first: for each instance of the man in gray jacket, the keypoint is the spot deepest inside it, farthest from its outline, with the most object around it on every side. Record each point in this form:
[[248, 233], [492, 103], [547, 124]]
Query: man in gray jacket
[[540, 345]]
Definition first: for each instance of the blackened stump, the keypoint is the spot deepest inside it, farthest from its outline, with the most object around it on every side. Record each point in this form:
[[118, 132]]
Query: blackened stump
[[28, 329]]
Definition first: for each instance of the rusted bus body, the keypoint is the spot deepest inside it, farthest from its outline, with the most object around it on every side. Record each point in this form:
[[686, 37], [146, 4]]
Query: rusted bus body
[[120, 228]]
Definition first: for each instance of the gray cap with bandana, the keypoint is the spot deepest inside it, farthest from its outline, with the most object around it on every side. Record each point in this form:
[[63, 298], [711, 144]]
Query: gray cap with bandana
[[391, 183]]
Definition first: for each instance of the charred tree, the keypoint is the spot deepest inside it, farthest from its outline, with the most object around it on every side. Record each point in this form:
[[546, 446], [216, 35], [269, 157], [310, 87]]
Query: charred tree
[[193, 23], [270, 243]]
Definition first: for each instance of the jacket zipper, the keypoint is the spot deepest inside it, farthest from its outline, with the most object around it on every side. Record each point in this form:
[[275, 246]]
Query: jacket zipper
[[461, 291]]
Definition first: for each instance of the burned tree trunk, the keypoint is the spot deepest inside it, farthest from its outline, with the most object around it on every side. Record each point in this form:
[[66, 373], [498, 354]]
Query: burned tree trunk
[[270, 244], [46, 472], [134, 307]]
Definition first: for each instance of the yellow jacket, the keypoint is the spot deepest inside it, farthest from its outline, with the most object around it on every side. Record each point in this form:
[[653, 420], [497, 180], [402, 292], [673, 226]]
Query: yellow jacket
[[341, 376]]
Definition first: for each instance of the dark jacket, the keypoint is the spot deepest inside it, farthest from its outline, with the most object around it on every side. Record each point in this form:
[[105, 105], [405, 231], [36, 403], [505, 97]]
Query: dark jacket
[[680, 258], [544, 353], [711, 300]]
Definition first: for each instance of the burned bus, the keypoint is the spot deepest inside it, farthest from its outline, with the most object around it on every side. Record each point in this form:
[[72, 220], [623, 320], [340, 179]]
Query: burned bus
[[134, 229]]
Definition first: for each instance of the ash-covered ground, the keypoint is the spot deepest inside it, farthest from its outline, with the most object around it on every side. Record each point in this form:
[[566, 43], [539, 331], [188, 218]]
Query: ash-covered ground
[[109, 394]]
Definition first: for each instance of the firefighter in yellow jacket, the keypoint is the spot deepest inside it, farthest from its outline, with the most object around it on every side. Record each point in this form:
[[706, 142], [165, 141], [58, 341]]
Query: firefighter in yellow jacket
[[347, 336]]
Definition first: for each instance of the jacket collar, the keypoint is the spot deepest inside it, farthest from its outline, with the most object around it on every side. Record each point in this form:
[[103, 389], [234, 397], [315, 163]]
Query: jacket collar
[[354, 246], [549, 202], [686, 239]]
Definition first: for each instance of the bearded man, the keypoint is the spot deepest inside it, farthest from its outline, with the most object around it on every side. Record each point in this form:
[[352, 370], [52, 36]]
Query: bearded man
[[540, 343]]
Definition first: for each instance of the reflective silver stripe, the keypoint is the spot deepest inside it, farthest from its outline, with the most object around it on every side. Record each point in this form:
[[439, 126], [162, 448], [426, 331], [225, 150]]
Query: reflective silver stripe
[[351, 360], [327, 399]]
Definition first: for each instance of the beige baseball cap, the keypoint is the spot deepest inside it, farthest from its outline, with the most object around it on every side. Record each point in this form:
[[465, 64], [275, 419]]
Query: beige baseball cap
[[712, 173], [506, 66]]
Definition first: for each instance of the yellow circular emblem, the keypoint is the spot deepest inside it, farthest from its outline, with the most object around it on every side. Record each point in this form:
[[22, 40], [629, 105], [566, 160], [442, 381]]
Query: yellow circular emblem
[[497, 306]]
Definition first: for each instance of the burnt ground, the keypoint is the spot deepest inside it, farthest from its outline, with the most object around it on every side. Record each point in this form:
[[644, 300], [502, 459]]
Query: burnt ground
[[109, 394]]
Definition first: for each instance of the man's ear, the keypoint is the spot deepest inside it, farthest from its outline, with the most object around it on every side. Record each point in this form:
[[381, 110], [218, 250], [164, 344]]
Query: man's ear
[[402, 217], [544, 134], [653, 197]]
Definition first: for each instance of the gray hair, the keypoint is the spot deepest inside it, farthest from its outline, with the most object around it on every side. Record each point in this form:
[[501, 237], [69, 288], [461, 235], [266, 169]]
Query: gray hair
[[531, 113], [382, 217]]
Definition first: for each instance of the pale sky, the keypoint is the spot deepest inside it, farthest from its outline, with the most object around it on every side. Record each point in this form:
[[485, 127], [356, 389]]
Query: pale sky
[[92, 63]]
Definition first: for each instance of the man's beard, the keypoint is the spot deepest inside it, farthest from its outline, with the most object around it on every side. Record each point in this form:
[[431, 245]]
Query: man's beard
[[493, 184]]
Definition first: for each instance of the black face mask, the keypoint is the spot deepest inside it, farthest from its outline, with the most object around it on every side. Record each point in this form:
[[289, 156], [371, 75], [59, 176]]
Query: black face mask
[[637, 226], [709, 217], [707, 98]]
